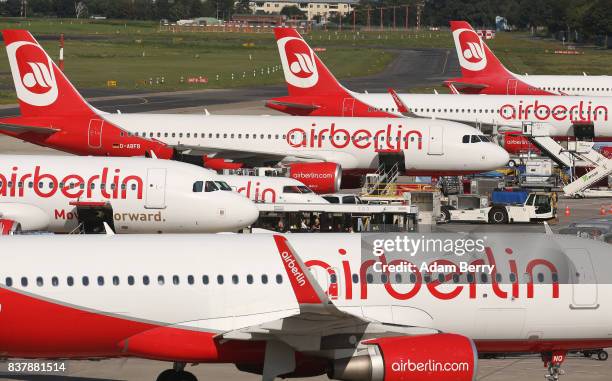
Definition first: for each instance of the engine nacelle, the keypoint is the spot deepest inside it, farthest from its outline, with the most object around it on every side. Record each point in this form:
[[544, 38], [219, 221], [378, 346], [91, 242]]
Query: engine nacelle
[[515, 143], [321, 177], [9, 227], [439, 357], [28, 216]]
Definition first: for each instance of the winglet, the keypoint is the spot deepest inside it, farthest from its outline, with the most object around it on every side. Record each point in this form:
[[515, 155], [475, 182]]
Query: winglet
[[401, 106], [306, 289]]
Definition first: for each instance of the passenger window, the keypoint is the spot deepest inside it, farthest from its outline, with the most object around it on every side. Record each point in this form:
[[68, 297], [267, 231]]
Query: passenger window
[[250, 279], [279, 278], [369, 278], [175, 280], [130, 280], [8, 281], [115, 280], [205, 279], [355, 278], [264, 279], [85, 281], [100, 281], [220, 279], [160, 280], [235, 279], [145, 280], [70, 281], [39, 281], [190, 279], [24, 281], [55, 281]]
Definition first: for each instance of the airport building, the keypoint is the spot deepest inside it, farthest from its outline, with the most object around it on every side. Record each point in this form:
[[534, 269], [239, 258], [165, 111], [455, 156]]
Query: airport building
[[324, 9]]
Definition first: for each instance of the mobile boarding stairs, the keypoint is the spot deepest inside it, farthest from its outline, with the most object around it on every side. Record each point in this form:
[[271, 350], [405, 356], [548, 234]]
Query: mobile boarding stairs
[[578, 153]]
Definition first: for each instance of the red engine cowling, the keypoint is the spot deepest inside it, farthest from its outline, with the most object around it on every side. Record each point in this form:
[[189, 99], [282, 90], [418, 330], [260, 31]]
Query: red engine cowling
[[9, 227], [320, 177], [439, 357], [515, 144]]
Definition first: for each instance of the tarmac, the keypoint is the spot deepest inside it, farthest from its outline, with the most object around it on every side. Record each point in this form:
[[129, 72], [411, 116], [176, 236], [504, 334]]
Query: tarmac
[[412, 68]]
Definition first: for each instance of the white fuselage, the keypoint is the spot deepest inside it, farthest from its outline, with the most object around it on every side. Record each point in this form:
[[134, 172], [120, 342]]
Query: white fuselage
[[276, 190], [584, 85], [146, 195], [218, 283], [559, 113], [353, 143]]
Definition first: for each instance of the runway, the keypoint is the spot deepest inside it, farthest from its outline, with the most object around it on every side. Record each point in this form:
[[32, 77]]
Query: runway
[[525, 368]]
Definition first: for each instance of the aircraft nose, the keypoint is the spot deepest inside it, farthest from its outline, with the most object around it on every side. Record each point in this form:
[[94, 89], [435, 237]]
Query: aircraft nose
[[497, 157], [244, 211]]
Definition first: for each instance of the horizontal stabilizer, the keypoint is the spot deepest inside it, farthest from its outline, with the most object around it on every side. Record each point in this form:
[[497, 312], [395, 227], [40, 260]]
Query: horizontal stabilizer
[[19, 129], [300, 106]]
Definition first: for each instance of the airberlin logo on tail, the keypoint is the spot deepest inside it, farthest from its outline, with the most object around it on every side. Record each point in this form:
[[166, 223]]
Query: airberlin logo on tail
[[32, 73], [298, 62], [470, 49]]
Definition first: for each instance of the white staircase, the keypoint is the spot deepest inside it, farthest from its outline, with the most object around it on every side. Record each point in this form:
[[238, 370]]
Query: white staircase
[[380, 181], [578, 153]]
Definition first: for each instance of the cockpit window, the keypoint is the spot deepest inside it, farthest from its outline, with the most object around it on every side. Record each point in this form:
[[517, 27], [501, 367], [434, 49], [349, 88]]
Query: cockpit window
[[223, 185], [210, 186], [304, 189], [475, 139], [198, 186], [466, 138], [291, 189]]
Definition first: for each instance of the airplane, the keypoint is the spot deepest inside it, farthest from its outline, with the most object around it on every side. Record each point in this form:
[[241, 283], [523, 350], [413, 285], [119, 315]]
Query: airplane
[[140, 195], [54, 114], [323, 95], [483, 73], [275, 190], [302, 305]]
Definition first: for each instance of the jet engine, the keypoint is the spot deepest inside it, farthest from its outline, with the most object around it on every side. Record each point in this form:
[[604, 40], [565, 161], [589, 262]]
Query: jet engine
[[321, 177], [29, 216], [9, 227], [439, 357]]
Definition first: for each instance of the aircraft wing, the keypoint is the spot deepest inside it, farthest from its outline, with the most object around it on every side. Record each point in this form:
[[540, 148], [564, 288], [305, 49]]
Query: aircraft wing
[[17, 129], [255, 157], [319, 325]]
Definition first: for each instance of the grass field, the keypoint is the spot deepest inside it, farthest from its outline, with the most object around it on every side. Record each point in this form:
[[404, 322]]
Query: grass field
[[138, 55]]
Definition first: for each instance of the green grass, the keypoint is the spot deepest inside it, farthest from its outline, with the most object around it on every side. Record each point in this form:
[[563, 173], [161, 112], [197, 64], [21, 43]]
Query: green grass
[[132, 53]]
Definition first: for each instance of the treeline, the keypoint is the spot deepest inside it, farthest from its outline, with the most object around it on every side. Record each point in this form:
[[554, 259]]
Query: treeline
[[584, 19]]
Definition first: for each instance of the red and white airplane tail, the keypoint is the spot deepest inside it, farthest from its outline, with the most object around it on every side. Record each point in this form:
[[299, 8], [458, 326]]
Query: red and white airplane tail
[[475, 57], [305, 74], [42, 88], [54, 114], [313, 89]]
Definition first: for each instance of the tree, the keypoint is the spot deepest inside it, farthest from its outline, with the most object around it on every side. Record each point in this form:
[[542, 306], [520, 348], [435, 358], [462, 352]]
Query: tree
[[243, 7], [293, 12]]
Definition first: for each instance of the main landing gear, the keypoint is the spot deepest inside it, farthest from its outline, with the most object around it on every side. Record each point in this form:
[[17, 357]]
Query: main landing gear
[[553, 361], [177, 373]]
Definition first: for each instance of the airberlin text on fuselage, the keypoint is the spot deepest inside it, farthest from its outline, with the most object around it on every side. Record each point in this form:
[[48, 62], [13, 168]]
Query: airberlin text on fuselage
[[73, 186], [578, 112], [426, 282], [384, 139]]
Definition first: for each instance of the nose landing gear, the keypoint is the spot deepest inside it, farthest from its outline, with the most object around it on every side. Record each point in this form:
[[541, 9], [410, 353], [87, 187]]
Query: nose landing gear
[[553, 361], [177, 373]]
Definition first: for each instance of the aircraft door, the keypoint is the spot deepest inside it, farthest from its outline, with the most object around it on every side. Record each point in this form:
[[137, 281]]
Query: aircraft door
[[156, 188], [347, 106], [436, 140], [584, 281], [511, 86], [94, 138]]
